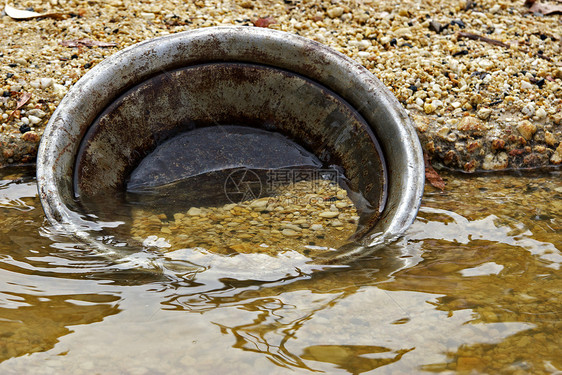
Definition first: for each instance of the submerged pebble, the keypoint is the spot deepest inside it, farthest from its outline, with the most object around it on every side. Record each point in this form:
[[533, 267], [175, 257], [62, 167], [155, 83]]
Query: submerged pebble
[[328, 214]]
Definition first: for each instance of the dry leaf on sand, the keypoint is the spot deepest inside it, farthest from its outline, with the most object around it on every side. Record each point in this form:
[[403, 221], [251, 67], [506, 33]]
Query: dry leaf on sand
[[432, 176], [19, 14], [264, 22], [24, 98], [545, 9]]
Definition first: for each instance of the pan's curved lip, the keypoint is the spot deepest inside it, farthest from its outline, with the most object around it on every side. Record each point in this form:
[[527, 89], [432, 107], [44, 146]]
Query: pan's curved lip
[[353, 82]]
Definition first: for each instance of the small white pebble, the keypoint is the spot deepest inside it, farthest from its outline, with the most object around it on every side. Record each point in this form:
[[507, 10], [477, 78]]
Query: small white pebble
[[443, 132], [292, 227], [385, 39], [259, 204], [35, 83], [364, 44], [540, 113], [59, 90], [335, 12], [403, 31], [316, 227], [148, 16], [46, 82], [341, 204], [37, 112], [452, 137], [528, 110], [328, 214], [194, 211], [290, 233], [484, 113], [429, 108], [230, 206], [25, 120], [526, 85], [34, 119]]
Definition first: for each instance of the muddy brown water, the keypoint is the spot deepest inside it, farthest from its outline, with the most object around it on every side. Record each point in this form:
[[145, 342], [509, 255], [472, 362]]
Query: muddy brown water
[[474, 286]]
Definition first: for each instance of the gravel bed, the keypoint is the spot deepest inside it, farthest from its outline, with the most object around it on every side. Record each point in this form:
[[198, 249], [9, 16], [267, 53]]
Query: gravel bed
[[481, 79], [292, 219]]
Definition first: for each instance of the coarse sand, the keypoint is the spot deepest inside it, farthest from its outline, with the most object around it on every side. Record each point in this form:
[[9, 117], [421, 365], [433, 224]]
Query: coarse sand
[[482, 79]]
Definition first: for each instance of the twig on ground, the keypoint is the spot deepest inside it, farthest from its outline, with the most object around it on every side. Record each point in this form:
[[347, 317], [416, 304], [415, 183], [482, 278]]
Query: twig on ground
[[482, 38]]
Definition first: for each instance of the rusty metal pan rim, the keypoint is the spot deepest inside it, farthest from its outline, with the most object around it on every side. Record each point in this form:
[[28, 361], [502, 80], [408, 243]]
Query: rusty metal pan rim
[[353, 82]]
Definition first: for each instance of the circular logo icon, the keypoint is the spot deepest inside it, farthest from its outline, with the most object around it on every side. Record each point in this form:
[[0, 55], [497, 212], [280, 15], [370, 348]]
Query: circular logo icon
[[242, 185]]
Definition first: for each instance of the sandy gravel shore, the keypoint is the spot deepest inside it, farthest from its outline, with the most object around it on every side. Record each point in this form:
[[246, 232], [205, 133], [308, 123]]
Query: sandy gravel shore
[[481, 79]]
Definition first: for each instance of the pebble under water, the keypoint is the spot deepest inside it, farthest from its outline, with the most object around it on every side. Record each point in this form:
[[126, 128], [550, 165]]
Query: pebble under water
[[474, 286]]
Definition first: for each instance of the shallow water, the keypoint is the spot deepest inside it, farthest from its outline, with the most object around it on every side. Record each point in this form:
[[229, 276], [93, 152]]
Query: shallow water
[[311, 217], [475, 285]]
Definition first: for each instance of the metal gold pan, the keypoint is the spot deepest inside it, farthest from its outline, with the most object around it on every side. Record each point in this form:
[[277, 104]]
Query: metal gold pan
[[327, 103]]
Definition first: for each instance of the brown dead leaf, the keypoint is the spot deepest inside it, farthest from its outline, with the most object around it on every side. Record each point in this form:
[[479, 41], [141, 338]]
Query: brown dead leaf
[[24, 98], [431, 175], [544, 9], [86, 43], [264, 22], [19, 14]]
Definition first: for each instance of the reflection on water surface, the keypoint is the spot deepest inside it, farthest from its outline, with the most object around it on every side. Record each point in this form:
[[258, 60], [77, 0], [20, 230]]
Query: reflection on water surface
[[474, 286]]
